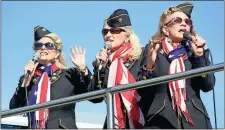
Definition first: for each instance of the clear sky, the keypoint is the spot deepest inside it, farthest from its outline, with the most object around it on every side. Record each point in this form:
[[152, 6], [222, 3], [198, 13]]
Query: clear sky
[[80, 23]]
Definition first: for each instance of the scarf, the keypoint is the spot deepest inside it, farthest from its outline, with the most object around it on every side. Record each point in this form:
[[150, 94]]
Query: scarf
[[119, 74], [40, 93], [177, 88]]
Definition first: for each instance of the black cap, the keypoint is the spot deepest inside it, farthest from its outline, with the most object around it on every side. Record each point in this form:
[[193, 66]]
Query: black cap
[[119, 18], [40, 32], [186, 8]]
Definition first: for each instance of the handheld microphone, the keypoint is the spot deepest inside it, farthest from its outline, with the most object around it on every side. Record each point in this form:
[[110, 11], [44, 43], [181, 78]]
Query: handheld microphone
[[187, 36], [35, 59], [107, 46]]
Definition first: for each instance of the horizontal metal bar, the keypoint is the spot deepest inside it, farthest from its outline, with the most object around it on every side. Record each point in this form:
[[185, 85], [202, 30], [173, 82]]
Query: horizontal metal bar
[[54, 103], [167, 78], [101, 93]]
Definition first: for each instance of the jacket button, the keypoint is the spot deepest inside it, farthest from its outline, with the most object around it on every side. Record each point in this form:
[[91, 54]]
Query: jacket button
[[204, 76], [144, 77]]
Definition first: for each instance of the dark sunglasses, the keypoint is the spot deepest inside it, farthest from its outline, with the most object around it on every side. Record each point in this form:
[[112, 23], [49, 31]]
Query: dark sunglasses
[[112, 31], [178, 20], [48, 46]]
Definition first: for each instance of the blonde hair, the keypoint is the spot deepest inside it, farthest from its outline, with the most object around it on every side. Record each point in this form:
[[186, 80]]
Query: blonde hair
[[134, 40], [60, 60], [159, 35]]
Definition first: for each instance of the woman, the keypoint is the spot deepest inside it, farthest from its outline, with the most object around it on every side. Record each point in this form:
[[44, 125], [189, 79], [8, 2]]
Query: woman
[[176, 104], [121, 64], [51, 79]]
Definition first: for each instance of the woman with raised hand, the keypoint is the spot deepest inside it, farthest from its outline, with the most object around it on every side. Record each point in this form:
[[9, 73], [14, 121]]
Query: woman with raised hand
[[50, 79]]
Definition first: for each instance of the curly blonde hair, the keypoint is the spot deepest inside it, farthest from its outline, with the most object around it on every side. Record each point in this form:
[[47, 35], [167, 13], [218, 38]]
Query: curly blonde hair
[[159, 35]]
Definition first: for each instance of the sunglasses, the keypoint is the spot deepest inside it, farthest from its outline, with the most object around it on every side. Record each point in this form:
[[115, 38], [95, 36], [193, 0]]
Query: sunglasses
[[178, 20], [112, 31], [48, 46]]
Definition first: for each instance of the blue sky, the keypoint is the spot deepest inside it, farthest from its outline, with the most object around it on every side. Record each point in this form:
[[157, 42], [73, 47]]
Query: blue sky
[[80, 23]]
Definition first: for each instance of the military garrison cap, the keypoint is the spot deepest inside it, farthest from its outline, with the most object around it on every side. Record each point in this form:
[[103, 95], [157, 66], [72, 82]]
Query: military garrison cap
[[186, 8], [119, 18], [40, 32]]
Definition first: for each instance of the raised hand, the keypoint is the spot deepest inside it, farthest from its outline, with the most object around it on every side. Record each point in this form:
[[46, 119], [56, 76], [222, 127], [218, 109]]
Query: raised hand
[[152, 54], [78, 57]]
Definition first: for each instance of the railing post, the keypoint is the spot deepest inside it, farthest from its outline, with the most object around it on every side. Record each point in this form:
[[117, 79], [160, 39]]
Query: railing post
[[110, 110]]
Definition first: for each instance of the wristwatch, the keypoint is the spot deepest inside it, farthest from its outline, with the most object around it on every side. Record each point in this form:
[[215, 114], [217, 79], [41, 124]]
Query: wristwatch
[[83, 70]]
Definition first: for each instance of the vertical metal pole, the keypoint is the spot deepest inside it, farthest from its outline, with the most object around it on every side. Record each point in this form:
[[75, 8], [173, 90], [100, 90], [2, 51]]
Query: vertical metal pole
[[110, 110]]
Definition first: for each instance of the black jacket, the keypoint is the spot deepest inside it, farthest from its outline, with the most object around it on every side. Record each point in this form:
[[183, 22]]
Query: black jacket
[[67, 82], [133, 67], [156, 101]]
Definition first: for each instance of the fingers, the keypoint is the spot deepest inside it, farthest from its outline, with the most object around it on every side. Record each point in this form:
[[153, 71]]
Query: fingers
[[104, 50], [199, 41], [72, 51], [80, 50], [156, 48], [153, 49], [72, 59], [77, 50], [30, 67], [102, 55], [150, 45], [99, 58], [193, 39], [108, 52]]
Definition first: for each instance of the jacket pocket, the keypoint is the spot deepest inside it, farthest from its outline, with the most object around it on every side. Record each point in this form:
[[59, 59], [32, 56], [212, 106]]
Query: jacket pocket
[[61, 124], [198, 108], [164, 104]]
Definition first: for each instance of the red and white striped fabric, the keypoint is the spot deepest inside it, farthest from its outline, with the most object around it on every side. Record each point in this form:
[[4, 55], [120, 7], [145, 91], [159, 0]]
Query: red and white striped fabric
[[177, 87], [43, 95], [119, 74]]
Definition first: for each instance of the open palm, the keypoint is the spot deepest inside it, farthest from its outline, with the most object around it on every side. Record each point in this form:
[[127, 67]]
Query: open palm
[[78, 57]]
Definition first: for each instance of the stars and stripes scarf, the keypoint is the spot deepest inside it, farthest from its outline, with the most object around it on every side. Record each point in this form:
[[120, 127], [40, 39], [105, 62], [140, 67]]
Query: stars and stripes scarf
[[177, 88], [119, 74], [40, 93]]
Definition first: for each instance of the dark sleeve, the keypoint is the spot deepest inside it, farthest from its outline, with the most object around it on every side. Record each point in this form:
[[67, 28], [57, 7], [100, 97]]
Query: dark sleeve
[[205, 82], [143, 74], [19, 97], [95, 85], [79, 81]]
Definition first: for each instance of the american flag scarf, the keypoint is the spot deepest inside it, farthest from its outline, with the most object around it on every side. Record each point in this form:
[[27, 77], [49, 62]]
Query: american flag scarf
[[119, 74], [177, 88], [40, 93]]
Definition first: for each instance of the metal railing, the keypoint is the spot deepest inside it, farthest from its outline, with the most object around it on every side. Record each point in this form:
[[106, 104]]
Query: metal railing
[[108, 92]]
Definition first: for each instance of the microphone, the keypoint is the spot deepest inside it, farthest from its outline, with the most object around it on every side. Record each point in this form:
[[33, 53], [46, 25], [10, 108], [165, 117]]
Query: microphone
[[35, 59], [107, 46], [187, 36]]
